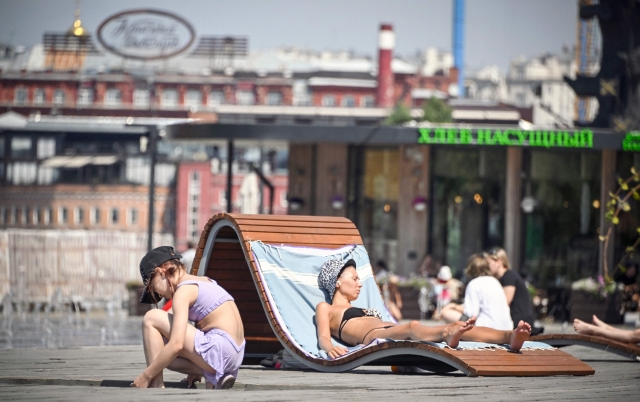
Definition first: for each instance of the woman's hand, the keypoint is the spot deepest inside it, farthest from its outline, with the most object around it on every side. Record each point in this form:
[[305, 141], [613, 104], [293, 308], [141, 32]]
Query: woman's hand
[[141, 382], [191, 379], [336, 352]]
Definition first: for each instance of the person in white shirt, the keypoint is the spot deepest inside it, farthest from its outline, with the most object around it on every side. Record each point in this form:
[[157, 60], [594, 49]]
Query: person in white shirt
[[484, 298]]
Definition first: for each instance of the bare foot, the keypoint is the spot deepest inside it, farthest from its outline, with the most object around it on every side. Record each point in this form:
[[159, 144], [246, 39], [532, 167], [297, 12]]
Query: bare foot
[[157, 382], [598, 323], [452, 333], [519, 335], [582, 327]]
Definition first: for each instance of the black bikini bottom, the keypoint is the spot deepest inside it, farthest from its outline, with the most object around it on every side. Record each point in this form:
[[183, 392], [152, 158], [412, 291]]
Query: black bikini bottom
[[365, 335]]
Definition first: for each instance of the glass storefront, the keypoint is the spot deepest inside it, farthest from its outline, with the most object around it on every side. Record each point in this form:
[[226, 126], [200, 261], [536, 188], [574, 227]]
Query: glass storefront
[[560, 233], [467, 214], [377, 214]]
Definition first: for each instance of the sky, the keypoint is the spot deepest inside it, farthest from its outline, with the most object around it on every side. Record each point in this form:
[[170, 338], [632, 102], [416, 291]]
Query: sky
[[496, 30]]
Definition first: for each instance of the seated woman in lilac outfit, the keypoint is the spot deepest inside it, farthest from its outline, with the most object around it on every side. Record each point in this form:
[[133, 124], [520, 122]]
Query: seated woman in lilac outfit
[[214, 348]]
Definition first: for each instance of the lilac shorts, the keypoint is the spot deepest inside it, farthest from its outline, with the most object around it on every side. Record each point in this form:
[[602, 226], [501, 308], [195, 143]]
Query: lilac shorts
[[221, 352]]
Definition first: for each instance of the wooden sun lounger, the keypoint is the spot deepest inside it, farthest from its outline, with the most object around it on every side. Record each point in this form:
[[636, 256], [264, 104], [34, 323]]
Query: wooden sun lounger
[[231, 264], [627, 350]]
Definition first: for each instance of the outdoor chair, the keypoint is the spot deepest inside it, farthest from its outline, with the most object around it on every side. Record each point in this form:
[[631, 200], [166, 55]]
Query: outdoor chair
[[270, 265]]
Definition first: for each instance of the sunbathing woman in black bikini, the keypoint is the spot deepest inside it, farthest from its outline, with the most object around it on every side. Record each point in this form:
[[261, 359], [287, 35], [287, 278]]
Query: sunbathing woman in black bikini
[[355, 326]]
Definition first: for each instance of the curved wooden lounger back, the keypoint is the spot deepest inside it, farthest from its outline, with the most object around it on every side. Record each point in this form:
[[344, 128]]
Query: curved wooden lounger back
[[626, 350], [224, 254]]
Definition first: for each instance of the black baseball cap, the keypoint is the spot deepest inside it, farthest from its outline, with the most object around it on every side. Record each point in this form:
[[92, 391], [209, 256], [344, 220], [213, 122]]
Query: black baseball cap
[[148, 264]]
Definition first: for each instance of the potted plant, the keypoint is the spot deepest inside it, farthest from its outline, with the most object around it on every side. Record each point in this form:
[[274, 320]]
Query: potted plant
[[599, 296]]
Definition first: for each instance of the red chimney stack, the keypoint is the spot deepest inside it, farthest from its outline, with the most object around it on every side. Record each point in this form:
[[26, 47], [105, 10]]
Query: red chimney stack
[[386, 43]]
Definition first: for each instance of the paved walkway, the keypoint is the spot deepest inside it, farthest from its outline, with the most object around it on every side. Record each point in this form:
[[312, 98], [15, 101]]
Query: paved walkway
[[103, 373], [60, 372]]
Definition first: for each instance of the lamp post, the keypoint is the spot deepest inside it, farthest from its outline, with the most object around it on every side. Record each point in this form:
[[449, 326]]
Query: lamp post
[[153, 137]]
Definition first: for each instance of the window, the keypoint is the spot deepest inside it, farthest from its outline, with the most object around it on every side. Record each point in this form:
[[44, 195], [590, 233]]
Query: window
[[94, 215], [141, 98], [12, 215], [63, 215], [169, 217], [169, 98], [85, 96], [24, 213], [3, 216], [46, 147], [20, 147], [78, 216], [132, 216], [113, 216], [245, 97], [328, 100], [35, 216], [193, 98], [47, 175], [113, 97], [222, 198], [368, 101], [22, 173], [193, 205], [274, 98], [348, 101], [58, 97], [20, 96], [46, 215], [38, 96], [215, 98]]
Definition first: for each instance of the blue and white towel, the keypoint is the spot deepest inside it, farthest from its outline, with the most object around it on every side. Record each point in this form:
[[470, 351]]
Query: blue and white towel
[[290, 278]]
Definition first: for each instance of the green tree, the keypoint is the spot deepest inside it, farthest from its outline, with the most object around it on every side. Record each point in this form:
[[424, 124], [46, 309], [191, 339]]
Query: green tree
[[400, 114], [436, 111]]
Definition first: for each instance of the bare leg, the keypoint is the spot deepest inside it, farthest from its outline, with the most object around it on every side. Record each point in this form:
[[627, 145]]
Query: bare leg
[[184, 366], [155, 325], [416, 331], [615, 334], [153, 343], [514, 338]]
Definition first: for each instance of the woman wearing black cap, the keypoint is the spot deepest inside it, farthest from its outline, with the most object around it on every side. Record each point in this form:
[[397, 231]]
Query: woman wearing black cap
[[353, 326], [215, 348]]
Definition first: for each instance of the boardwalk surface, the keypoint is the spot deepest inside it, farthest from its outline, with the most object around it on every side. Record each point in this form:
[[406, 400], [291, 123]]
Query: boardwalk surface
[[77, 374]]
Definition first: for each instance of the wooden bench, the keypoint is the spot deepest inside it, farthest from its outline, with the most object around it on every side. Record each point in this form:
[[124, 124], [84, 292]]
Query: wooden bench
[[224, 254], [627, 350]]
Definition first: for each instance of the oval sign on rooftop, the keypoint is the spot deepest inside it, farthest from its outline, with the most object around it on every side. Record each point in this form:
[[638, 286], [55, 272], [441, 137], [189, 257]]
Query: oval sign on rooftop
[[146, 34]]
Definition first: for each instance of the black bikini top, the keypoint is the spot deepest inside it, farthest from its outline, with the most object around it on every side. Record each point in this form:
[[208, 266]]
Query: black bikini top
[[355, 312]]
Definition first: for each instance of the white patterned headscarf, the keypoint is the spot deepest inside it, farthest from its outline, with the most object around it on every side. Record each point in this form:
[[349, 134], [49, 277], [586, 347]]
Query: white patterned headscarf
[[329, 274]]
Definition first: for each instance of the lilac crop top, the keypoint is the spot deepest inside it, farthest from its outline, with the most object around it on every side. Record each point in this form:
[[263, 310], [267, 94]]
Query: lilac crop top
[[210, 297]]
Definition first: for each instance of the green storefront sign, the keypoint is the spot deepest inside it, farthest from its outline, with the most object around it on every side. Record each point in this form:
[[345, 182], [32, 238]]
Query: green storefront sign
[[631, 141], [582, 139]]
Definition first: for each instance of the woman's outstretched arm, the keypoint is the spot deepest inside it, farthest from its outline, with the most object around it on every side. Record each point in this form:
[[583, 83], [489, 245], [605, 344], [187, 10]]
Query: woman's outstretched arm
[[323, 321], [176, 339]]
